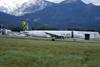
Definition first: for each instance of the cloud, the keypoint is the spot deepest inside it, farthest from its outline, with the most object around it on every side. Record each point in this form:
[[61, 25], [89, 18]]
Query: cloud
[[56, 1], [17, 1]]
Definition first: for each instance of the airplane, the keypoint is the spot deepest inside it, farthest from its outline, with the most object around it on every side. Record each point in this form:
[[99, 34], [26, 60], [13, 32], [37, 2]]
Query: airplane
[[52, 34]]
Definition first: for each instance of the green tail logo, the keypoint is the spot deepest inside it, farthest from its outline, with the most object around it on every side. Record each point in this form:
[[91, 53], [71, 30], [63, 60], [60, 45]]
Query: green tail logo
[[25, 25]]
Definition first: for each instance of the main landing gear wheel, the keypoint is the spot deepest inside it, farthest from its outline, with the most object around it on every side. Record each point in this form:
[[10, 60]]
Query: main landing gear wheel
[[53, 39]]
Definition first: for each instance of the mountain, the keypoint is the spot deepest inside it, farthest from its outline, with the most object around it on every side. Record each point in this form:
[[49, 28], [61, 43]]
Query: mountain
[[73, 1], [64, 14], [31, 7], [7, 6], [58, 13], [7, 17], [90, 4], [13, 21], [67, 14]]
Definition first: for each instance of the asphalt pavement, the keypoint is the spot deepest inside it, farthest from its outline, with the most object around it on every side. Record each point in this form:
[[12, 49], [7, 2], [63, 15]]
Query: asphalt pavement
[[57, 40]]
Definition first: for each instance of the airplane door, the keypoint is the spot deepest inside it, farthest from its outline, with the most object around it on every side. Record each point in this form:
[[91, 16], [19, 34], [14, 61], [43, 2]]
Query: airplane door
[[72, 34], [87, 36]]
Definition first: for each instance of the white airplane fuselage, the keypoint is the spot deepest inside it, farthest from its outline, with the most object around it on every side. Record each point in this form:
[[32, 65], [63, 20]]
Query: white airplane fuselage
[[65, 34]]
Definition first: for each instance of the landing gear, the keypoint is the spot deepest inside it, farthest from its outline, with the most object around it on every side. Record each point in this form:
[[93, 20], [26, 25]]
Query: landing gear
[[53, 39]]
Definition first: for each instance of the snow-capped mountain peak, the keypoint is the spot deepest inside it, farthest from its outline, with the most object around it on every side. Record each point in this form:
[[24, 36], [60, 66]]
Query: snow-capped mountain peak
[[8, 6], [32, 1], [31, 6], [22, 7]]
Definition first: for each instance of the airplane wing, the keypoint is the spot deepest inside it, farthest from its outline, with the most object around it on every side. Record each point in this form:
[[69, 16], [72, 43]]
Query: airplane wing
[[55, 35]]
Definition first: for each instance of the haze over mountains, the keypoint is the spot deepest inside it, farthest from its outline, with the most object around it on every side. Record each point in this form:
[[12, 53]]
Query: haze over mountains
[[67, 14]]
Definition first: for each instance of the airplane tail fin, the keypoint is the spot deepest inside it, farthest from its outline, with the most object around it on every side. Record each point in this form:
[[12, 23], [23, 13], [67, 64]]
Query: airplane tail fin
[[25, 25]]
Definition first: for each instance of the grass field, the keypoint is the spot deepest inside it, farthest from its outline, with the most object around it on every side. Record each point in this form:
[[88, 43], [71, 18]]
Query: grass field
[[33, 53]]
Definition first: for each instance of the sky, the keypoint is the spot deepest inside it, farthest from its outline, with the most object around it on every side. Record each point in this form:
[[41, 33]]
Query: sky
[[96, 2]]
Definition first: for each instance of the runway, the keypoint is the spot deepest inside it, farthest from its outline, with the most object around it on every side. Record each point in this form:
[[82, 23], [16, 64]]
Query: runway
[[46, 39]]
